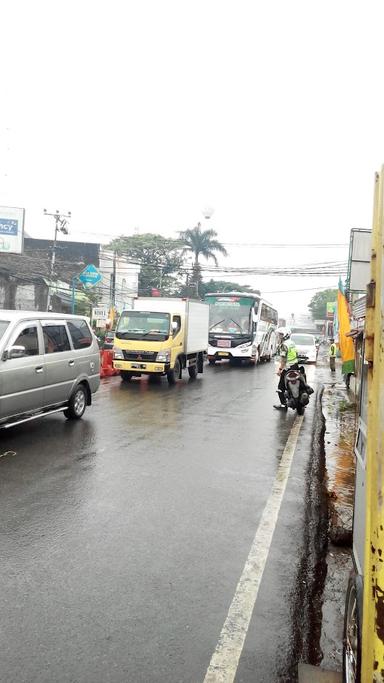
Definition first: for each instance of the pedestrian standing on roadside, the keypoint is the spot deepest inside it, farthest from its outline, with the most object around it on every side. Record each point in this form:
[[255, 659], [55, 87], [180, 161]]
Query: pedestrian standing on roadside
[[332, 356]]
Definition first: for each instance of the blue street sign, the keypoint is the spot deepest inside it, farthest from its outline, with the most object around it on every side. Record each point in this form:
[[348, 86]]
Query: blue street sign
[[90, 276]]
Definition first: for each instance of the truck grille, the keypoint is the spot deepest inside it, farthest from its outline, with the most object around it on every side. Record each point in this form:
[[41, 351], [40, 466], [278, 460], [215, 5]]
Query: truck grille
[[147, 356]]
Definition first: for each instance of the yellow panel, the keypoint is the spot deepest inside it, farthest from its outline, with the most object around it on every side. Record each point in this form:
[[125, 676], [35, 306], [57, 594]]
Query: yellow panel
[[373, 606]]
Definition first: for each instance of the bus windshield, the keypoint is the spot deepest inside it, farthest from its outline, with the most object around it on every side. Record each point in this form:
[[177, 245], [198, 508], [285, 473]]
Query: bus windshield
[[230, 315], [143, 325]]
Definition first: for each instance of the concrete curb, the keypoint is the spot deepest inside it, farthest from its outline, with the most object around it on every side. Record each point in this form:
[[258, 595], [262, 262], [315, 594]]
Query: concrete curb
[[311, 674]]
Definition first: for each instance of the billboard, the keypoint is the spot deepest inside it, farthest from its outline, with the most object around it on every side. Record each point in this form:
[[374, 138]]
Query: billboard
[[11, 230]]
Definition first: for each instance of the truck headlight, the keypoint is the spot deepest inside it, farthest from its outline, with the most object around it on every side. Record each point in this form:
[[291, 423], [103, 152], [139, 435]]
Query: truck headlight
[[164, 356], [118, 353], [245, 346]]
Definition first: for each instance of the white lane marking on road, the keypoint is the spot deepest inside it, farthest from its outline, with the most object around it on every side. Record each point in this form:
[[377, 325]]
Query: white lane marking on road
[[3, 455], [225, 659]]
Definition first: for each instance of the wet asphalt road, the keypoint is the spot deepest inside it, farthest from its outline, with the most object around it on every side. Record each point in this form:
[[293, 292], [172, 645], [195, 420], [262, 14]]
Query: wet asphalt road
[[124, 535]]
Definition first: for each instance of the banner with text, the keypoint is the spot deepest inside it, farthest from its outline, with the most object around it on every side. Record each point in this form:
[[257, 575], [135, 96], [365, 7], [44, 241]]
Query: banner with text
[[11, 230]]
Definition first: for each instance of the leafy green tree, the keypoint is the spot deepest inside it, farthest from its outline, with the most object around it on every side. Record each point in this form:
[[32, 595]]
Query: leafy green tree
[[160, 258], [201, 243], [318, 303]]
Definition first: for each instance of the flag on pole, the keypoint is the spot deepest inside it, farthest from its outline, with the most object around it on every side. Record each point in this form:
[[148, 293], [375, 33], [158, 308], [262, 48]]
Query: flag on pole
[[347, 349]]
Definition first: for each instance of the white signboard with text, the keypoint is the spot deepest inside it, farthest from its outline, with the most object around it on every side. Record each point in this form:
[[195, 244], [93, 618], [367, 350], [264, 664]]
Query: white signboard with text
[[100, 313], [11, 230]]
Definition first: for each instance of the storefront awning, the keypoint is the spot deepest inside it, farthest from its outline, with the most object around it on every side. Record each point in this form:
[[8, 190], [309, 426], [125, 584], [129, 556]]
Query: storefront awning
[[64, 292]]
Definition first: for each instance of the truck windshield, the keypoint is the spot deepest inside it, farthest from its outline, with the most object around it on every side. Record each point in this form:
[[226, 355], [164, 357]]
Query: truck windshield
[[148, 325]]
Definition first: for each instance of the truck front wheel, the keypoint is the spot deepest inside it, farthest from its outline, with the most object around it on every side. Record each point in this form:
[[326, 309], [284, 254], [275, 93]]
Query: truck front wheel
[[174, 374], [126, 376]]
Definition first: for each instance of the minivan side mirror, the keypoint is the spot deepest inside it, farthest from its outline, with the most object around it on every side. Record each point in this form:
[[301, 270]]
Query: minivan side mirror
[[16, 352]]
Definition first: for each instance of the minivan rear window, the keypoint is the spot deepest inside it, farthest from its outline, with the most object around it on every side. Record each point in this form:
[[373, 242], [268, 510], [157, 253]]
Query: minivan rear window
[[80, 333]]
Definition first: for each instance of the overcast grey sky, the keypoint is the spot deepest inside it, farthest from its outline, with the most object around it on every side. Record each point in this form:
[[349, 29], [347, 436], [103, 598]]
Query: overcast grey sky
[[137, 114]]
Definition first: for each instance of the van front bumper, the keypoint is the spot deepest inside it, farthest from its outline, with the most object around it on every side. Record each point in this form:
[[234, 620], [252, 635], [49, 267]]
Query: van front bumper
[[141, 367]]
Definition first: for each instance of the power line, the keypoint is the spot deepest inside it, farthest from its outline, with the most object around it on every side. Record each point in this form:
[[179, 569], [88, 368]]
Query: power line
[[267, 245], [305, 289], [274, 245]]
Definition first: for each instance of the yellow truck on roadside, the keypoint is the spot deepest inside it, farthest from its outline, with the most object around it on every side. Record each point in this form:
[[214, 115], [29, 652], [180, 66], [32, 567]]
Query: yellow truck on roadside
[[161, 336]]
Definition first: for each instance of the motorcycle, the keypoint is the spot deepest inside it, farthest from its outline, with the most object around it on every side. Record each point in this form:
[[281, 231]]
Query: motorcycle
[[296, 390]]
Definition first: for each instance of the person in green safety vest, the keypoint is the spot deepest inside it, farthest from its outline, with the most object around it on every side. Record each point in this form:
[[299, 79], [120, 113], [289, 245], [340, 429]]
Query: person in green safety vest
[[288, 361], [332, 356]]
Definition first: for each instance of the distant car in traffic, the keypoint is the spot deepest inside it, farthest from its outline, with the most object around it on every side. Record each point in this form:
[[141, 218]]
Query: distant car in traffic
[[108, 339], [306, 347]]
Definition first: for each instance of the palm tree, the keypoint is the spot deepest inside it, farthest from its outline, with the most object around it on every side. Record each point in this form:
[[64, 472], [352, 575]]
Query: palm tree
[[201, 243]]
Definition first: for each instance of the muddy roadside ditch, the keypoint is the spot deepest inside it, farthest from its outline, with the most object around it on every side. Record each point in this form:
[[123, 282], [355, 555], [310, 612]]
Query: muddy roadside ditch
[[340, 416]]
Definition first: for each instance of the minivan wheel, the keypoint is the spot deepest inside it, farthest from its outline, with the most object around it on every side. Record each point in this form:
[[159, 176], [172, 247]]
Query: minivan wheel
[[77, 404]]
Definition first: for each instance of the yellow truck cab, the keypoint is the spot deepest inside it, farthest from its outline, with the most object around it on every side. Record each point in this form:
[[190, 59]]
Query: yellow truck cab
[[161, 336]]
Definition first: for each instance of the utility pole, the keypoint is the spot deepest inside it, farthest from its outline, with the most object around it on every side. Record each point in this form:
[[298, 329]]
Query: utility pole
[[197, 276], [113, 282], [60, 226]]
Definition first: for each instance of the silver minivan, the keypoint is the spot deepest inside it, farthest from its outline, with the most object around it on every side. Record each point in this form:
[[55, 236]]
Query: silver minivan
[[49, 362]]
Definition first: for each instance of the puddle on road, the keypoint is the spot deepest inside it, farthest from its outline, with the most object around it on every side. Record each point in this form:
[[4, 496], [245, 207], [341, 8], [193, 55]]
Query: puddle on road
[[340, 434]]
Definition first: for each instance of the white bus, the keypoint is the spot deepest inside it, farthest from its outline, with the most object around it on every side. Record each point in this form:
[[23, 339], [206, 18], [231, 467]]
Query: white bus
[[242, 325]]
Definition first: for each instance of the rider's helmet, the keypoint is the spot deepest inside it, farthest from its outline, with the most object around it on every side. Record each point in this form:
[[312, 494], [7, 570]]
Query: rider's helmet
[[284, 332]]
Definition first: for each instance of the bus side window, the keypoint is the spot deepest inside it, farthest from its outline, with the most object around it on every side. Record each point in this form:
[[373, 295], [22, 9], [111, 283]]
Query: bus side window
[[264, 313]]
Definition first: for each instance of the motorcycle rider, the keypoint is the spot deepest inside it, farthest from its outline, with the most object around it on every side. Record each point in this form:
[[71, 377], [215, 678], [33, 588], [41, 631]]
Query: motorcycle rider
[[288, 361]]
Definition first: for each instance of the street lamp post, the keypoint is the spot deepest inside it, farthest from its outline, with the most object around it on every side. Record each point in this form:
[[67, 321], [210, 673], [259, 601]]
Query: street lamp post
[[207, 213], [60, 226]]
